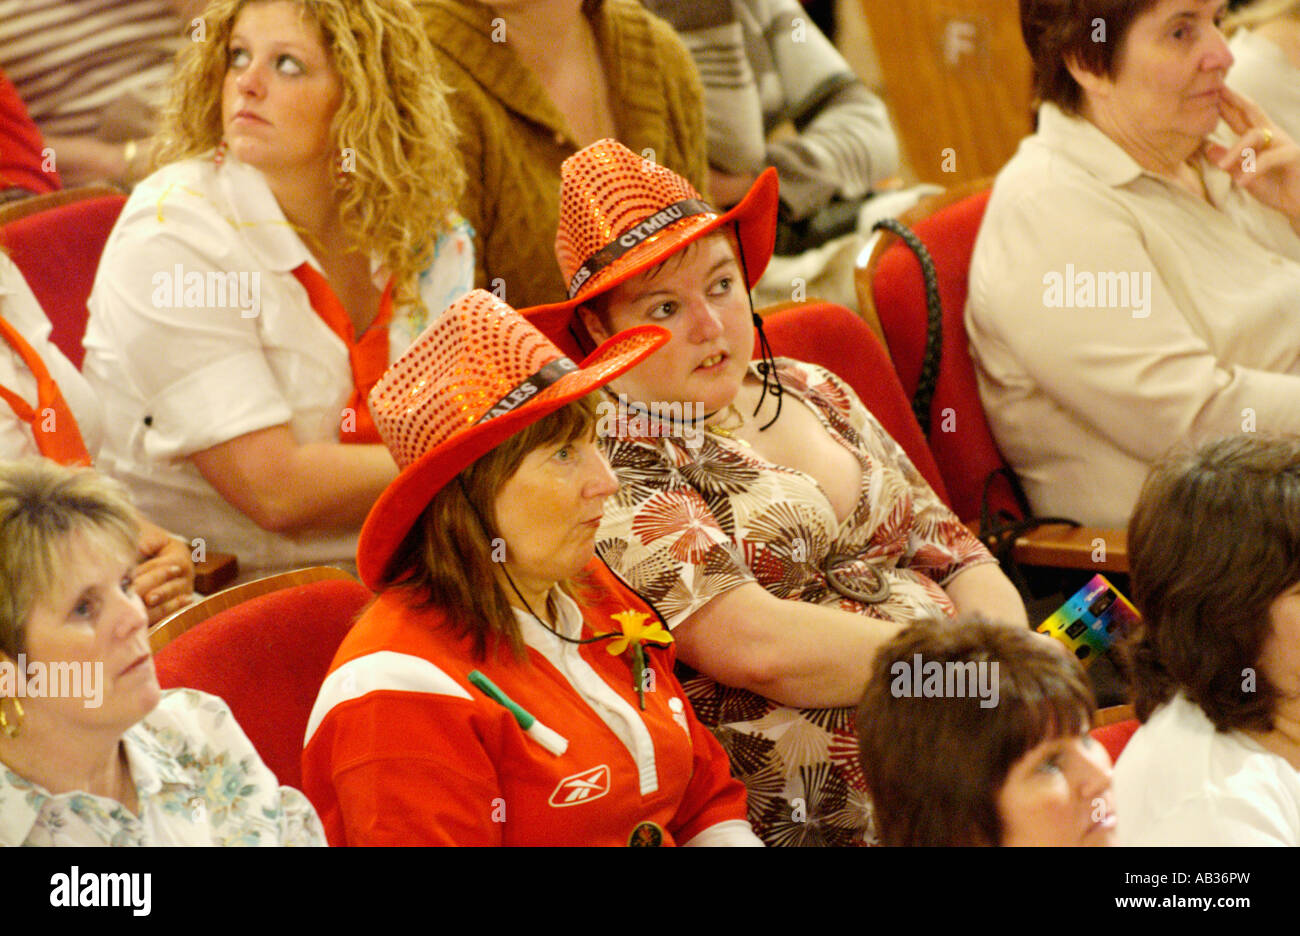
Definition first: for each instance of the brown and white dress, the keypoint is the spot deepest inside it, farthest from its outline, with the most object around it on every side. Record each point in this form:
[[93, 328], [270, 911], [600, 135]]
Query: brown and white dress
[[694, 518]]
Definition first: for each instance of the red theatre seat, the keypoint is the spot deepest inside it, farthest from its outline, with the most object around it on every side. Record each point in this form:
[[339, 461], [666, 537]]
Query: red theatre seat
[[1114, 737], [267, 657], [960, 437], [835, 338], [58, 250]]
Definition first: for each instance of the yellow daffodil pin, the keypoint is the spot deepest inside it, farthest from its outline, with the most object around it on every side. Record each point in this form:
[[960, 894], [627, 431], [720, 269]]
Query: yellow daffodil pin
[[637, 632]]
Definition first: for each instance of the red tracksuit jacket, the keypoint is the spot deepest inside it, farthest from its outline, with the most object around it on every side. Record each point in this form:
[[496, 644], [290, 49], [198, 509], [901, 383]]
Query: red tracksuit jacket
[[402, 749]]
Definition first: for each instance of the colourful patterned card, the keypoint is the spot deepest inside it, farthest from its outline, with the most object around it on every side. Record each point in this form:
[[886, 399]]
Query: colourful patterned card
[[1093, 620]]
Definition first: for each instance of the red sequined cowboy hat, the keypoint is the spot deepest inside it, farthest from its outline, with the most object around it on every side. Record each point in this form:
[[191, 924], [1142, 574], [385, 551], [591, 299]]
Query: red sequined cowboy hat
[[478, 375], [621, 214]]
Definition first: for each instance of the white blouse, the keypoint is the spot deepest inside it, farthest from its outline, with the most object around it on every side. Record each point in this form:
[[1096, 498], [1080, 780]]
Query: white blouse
[[1182, 782], [20, 308], [199, 333], [1113, 315], [199, 780]]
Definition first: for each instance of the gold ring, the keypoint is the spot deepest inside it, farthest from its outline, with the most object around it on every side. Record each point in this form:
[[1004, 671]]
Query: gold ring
[[1268, 138]]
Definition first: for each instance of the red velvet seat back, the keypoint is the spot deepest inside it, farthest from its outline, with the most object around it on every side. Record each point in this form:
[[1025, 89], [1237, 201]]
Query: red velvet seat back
[[960, 438], [58, 252], [834, 338], [267, 657], [1114, 737]]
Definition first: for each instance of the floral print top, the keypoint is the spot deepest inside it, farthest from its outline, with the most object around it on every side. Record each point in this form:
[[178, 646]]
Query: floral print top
[[199, 781], [695, 517]]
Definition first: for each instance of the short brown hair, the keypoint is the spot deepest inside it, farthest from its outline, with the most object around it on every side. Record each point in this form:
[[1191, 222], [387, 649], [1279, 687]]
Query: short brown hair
[[1214, 540], [934, 766], [447, 560], [44, 505], [1058, 30]]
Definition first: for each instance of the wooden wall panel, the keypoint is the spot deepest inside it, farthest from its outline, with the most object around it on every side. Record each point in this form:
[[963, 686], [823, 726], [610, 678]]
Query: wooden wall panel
[[957, 80]]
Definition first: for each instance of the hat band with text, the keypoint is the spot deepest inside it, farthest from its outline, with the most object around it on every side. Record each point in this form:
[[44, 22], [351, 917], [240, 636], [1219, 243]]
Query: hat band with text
[[635, 236], [529, 388]]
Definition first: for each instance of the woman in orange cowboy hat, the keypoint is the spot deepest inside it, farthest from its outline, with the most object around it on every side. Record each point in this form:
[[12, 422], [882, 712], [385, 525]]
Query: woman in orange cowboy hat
[[779, 531], [504, 688]]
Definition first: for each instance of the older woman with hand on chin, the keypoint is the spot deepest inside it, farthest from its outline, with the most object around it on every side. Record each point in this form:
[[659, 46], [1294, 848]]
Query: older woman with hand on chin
[[1135, 281], [256, 287], [94, 753], [505, 689], [777, 528]]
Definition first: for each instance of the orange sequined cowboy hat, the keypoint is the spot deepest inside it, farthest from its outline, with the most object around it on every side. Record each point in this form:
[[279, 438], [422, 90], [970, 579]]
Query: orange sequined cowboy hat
[[621, 214], [478, 375]]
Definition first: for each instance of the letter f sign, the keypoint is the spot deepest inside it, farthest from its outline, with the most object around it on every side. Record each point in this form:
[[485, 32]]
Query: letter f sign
[[958, 40]]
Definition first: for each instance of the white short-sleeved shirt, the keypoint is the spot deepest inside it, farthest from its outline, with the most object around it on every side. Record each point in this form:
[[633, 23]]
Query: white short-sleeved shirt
[[1182, 782], [185, 359], [19, 307], [1113, 315]]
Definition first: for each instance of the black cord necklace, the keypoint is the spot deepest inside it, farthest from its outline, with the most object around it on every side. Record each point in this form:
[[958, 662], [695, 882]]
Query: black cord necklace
[[767, 366], [515, 588]]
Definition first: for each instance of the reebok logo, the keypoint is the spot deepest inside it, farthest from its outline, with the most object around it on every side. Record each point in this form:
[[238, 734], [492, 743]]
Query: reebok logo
[[581, 787]]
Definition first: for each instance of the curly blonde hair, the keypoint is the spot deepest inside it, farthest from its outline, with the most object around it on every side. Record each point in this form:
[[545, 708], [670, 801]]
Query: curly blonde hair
[[393, 116]]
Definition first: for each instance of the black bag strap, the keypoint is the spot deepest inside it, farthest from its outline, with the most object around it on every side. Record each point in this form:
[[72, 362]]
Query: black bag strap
[[929, 376], [999, 533]]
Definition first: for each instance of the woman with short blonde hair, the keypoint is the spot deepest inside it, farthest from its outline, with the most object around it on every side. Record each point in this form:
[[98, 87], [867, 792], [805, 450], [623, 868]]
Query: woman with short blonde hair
[[92, 751]]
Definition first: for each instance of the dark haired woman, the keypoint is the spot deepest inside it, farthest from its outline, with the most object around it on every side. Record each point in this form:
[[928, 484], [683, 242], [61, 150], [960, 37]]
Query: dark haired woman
[[505, 689], [1007, 760], [1134, 282], [780, 531], [1214, 551]]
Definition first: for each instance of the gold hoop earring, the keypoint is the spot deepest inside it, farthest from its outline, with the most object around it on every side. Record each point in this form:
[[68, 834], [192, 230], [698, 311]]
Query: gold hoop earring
[[11, 729]]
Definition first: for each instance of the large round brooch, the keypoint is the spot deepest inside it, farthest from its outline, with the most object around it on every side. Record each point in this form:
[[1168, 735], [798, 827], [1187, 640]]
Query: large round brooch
[[865, 583]]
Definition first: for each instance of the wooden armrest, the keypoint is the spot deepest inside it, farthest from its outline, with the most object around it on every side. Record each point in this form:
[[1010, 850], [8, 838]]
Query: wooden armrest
[[1113, 715], [1065, 547], [215, 572]]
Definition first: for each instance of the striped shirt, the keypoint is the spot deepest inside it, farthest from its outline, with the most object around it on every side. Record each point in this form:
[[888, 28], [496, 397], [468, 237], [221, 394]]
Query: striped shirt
[[764, 64], [73, 60]]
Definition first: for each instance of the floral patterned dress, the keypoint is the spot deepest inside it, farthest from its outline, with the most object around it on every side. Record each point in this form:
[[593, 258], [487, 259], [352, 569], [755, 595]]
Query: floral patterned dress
[[695, 517], [199, 781]]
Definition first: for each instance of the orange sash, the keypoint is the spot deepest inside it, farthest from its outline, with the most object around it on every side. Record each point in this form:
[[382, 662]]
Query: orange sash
[[368, 356], [57, 435]]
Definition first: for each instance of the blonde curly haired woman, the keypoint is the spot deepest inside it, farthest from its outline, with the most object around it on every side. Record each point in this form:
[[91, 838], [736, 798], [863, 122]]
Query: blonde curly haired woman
[[298, 236]]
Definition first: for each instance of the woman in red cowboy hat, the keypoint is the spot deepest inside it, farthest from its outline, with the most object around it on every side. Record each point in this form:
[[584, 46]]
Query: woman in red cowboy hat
[[772, 522], [505, 688]]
